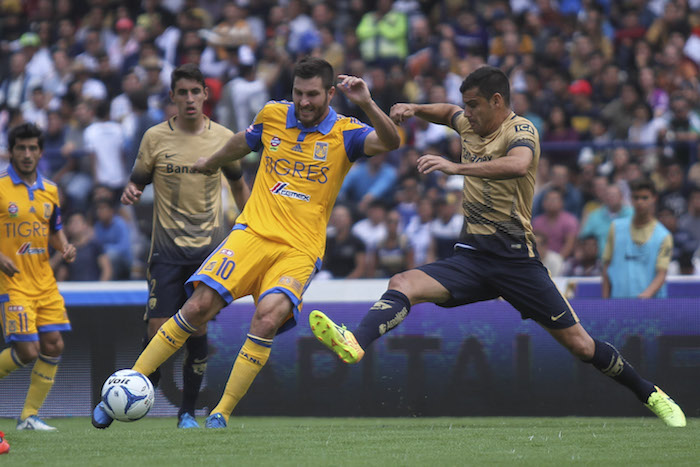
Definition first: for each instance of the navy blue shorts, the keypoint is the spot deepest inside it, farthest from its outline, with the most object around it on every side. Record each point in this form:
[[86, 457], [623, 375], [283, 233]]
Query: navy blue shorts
[[471, 276], [166, 288]]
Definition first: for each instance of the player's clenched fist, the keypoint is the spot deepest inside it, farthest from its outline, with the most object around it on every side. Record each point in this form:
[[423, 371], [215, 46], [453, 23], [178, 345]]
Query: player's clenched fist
[[401, 112]]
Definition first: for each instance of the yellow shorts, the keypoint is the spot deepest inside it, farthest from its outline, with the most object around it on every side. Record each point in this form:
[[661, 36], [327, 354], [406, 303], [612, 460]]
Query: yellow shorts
[[24, 317], [247, 264]]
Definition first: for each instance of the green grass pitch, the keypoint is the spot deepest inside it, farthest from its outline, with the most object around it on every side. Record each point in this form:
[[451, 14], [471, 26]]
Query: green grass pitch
[[256, 441]]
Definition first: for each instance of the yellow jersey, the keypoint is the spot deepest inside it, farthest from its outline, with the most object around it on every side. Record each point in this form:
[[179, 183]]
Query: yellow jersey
[[301, 171], [497, 213], [28, 214]]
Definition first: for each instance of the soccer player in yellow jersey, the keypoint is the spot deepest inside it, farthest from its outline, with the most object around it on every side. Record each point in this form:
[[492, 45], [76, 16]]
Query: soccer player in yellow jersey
[[496, 255], [32, 312], [188, 216], [276, 247]]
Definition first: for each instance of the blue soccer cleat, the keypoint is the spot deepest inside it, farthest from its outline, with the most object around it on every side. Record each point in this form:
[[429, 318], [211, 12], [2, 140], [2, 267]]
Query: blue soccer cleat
[[100, 417], [187, 421], [215, 420]]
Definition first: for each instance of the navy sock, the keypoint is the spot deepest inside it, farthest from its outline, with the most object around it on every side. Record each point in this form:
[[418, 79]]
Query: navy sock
[[610, 362], [384, 316], [193, 372]]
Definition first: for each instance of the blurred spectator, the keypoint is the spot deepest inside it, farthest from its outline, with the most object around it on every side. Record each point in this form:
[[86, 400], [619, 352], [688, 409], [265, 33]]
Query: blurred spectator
[[689, 221], [124, 45], [345, 252], [112, 232], [37, 55], [394, 253], [551, 259], [244, 96], [34, 110], [598, 222], [560, 227], [684, 244], [120, 106], [418, 232], [367, 181], [59, 155], [560, 179], [620, 112], [638, 250], [104, 142], [91, 262], [383, 35], [372, 229], [673, 196], [446, 227], [586, 259], [559, 130], [683, 130], [408, 195], [17, 85]]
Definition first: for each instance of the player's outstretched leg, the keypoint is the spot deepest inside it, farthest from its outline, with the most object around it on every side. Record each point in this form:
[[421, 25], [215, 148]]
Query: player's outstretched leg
[[389, 311], [665, 408], [608, 360], [337, 338]]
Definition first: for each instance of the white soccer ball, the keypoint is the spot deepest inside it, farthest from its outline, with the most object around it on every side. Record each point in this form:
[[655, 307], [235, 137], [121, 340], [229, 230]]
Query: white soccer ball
[[127, 395]]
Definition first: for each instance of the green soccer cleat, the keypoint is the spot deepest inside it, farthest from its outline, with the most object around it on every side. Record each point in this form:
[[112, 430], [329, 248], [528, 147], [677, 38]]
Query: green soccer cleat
[[664, 408], [337, 338]]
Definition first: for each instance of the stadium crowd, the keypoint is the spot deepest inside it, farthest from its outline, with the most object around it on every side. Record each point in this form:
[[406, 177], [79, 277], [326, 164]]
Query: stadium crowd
[[612, 86]]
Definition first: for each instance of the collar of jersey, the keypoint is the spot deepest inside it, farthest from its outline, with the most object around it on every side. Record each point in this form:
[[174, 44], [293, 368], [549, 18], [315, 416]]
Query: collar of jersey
[[324, 127], [38, 185]]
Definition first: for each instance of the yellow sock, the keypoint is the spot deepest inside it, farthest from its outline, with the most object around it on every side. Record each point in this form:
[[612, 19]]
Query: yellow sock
[[251, 359], [40, 384], [170, 337], [9, 362]]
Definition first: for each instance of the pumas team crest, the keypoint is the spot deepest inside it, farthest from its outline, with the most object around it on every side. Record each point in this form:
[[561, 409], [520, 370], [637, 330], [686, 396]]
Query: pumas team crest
[[320, 151], [275, 143]]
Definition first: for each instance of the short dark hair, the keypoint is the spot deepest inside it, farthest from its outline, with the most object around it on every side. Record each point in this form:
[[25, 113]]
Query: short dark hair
[[25, 131], [642, 184], [187, 71], [488, 80], [310, 67]]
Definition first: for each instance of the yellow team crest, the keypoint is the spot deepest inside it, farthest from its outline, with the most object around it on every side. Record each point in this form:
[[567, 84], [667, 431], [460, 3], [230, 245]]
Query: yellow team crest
[[320, 151]]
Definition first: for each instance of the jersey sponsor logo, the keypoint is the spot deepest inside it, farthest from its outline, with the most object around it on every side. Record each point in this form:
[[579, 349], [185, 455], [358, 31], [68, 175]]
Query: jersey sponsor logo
[[275, 143], [475, 158], [168, 156], [320, 151], [177, 169], [524, 127], [297, 148], [15, 308], [13, 210], [26, 249], [226, 251], [297, 169], [32, 210], [280, 188]]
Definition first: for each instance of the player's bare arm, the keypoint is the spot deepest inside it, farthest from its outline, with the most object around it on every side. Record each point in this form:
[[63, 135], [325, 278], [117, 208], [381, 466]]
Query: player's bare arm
[[435, 113], [235, 148], [7, 266], [514, 165], [385, 136], [59, 242], [132, 193], [239, 188]]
